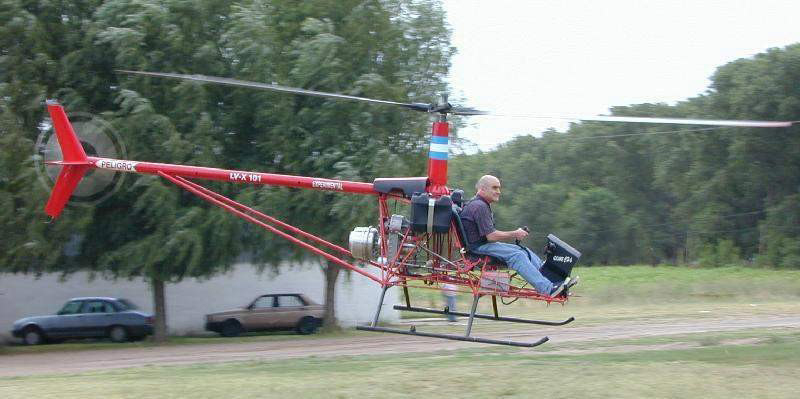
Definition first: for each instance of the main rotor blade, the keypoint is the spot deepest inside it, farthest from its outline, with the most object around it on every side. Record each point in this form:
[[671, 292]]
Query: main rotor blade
[[467, 111], [256, 85], [676, 121]]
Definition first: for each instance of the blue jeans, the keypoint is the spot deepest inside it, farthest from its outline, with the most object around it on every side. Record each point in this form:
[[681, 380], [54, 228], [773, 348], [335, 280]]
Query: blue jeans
[[517, 259]]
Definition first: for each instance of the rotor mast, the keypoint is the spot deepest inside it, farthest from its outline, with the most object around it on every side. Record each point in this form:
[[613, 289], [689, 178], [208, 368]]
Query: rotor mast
[[440, 146], [437, 156]]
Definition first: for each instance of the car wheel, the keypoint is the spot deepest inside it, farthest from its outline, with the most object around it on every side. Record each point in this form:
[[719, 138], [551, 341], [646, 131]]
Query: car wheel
[[307, 325], [118, 334], [33, 336], [231, 328]]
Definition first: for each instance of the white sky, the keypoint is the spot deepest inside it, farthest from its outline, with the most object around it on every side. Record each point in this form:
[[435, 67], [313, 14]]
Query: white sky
[[575, 57]]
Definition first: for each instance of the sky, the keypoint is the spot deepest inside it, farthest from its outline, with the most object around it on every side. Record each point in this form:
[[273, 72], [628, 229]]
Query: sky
[[575, 57]]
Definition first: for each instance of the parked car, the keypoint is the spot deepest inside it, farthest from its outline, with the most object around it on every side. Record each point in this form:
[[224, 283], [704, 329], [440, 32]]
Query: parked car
[[269, 312], [93, 317]]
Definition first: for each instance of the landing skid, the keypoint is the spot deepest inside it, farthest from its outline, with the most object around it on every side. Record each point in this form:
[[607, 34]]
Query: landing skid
[[413, 331], [472, 315], [446, 311]]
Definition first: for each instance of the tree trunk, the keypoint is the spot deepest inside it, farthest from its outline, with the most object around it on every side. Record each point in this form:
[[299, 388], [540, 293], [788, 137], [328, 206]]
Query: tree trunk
[[160, 310], [331, 275]]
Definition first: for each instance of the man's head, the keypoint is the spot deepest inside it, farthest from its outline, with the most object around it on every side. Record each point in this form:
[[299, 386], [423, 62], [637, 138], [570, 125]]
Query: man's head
[[488, 188]]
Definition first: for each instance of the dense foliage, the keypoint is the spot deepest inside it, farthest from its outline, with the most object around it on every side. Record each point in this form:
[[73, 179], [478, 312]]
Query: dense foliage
[[389, 49], [69, 50], [636, 193]]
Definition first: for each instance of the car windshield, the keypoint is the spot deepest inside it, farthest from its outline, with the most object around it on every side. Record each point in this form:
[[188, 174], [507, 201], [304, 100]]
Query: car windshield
[[126, 304]]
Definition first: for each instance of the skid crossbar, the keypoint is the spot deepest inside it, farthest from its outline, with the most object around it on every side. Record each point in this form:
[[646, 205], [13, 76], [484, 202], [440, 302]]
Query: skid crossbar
[[454, 337], [484, 316]]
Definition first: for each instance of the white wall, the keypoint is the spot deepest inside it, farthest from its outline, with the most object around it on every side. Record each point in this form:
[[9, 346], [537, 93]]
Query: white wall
[[189, 300]]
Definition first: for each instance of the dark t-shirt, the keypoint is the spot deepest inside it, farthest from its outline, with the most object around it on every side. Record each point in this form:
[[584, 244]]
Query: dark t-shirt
[[478, 221]]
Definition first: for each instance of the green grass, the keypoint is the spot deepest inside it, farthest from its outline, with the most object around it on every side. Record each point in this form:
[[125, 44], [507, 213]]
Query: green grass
[[609, 285], [643, 284], [765, 370], [759, 363]]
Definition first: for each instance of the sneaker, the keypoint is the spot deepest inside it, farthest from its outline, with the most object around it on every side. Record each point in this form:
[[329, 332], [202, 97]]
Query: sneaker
[[573, 281], [560, 288], [568, 284]]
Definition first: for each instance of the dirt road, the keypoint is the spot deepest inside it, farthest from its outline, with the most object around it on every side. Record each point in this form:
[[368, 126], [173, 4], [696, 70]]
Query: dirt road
[[92, 360]]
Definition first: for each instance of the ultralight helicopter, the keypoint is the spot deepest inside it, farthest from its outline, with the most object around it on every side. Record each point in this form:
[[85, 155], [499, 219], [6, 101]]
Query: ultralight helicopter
[[424, 249]]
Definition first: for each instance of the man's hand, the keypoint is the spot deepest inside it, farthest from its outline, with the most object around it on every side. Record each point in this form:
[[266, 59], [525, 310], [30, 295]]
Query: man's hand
[[498, 235], [519, 233]]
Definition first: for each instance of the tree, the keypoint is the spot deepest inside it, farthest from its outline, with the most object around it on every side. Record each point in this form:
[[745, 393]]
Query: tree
[[685, 192], [779, 230], [595, 218], [384, 49]]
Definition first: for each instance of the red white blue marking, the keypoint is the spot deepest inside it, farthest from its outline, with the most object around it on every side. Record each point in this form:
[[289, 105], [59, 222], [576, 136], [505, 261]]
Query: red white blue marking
[[439, 148]]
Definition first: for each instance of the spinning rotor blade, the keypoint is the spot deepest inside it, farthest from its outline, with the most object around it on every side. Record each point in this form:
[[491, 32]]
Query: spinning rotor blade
[[447, 108], [467, 111], [676, 121]]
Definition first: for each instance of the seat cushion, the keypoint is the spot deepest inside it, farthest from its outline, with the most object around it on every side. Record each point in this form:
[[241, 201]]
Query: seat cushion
[[472, 257]]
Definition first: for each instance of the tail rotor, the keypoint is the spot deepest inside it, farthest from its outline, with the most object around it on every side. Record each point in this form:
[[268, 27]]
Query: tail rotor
[[64, 164]]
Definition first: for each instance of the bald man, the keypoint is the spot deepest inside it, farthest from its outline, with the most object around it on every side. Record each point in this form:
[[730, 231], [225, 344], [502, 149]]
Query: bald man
[[484, 239]]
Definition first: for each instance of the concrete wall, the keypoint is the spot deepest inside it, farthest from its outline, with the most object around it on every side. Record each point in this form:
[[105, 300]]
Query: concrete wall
[[189, 300]]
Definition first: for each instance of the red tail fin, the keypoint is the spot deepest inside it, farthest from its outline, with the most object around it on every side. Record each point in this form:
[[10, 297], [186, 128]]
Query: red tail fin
[[75, 163]]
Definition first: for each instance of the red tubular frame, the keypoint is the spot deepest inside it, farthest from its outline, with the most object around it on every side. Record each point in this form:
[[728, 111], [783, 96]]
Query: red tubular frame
[[230, 206], [462, 275]]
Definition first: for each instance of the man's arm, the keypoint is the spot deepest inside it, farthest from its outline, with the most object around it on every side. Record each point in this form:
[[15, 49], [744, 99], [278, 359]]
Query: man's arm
[[485, 222], [498, 235]]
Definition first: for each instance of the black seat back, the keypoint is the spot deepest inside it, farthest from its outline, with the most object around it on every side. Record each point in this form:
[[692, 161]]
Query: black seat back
[[462, 234]]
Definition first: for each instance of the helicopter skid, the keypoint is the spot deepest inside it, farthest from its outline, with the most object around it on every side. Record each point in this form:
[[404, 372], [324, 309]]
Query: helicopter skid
[[413, 331], [466, 337], [483, 316]]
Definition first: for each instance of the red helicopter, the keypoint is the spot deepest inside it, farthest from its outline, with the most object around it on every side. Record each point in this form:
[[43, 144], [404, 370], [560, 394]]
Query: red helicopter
[[426, 249]]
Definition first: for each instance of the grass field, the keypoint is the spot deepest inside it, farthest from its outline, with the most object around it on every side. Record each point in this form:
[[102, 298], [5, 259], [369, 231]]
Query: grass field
[[764, 370], [750, 363], [641, 286]]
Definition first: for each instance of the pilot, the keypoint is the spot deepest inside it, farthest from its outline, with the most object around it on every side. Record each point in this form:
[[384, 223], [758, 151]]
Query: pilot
[[484, 239]]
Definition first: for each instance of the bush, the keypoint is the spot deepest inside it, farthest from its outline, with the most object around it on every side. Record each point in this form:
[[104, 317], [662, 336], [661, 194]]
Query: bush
[[779, 235], [723, 253]]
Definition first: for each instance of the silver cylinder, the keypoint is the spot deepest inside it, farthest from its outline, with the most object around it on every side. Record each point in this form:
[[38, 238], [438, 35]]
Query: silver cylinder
[[365, 243]]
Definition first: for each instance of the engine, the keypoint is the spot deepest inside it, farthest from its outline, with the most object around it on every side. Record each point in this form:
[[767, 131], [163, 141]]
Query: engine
[[365, 242]]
